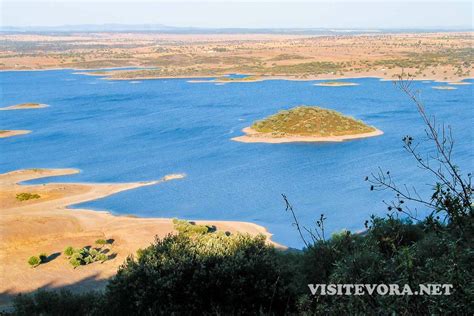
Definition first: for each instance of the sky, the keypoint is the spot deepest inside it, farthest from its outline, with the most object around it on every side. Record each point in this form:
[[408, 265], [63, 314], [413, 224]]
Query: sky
[[241, 14]]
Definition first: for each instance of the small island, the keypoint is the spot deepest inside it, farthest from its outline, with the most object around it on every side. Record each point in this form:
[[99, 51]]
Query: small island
[[459, 83], [225, 79], [11, 133], [444, 88], [306, 124], [336, 84], [24, 106]]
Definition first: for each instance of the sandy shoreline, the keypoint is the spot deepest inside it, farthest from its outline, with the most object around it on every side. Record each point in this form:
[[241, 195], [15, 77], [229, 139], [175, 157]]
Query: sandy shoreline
[[11, 133], [46, 224], [348, 76], [288, 78], [253, 136]]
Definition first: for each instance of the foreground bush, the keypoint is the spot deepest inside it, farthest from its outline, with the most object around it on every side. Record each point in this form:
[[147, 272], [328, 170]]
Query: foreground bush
[[203, 273], [212, 273], [392, 251], [58, 303]]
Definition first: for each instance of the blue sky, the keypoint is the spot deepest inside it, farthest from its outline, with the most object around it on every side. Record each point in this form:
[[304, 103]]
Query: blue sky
[[250, 14]]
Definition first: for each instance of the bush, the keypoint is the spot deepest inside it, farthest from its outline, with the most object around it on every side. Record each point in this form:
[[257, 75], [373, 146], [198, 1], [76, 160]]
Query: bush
[[84, 256], [101, 242], [58, 303], [69, 251], [34, 261], [392, 251], [27, 196], [203, 273], [185, 227]]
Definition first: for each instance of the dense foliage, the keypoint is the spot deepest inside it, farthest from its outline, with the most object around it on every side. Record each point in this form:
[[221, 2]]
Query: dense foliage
[[195, 272]]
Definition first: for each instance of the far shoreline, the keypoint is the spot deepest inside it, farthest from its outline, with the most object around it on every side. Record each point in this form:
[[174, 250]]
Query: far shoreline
[[253, 136], [439, 78]]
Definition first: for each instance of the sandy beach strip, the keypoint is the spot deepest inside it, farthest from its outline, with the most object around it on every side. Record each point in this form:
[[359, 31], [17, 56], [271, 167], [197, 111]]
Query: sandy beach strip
[[336, 84], [459, 83], [24, 106], [253, 136], [11, 133], [444, 88], [46, 224]]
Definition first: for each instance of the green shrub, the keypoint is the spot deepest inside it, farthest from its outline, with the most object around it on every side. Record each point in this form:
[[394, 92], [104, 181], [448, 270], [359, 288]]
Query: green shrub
[[69, 251], [185, 227], [59, 303], [27, 196], [202, 273], [85, 256], [34, 261], [101, 242]]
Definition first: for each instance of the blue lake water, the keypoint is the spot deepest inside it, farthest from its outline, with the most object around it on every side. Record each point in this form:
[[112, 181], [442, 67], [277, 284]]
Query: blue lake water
[[124, 131]]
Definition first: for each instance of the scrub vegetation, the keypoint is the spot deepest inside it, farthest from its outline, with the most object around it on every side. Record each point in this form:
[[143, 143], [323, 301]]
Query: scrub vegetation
[[27, 196], [311, 121]]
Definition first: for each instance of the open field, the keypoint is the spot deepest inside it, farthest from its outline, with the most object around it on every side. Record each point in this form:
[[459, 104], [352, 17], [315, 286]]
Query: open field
[[439, 56], [35, 219]]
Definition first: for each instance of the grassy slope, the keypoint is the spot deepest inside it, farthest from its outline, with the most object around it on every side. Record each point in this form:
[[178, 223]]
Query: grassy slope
[[311, 121]]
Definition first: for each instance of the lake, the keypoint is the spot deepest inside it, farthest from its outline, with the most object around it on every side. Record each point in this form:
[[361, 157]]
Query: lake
[[127, 131]]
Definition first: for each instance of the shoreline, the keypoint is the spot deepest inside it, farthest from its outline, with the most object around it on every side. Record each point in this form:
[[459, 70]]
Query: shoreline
[[253, 136], [290, 78], [263, 77], [49, 224]]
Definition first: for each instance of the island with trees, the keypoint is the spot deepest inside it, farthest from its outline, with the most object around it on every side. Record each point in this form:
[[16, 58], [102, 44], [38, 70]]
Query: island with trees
[[307, 124]]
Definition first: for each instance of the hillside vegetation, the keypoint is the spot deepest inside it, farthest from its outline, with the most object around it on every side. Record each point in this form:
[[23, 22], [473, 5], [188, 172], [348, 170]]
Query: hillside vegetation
[[311, 121]]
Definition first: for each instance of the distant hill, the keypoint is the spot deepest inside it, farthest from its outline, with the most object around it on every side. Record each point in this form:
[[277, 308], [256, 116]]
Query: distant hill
[[161, 28]]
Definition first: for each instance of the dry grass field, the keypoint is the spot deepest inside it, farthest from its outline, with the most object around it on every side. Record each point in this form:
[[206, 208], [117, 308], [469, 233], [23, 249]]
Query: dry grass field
[[440, 56]]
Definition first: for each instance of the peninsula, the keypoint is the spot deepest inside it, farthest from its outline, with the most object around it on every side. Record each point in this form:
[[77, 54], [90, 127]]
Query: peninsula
[[11, 133], [36, 219], [306, 124]]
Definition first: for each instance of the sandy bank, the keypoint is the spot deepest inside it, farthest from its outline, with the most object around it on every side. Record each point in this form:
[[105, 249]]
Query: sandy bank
[[45, 224], [336, 84], [253, 136], [24, 106], [459, 83], [10, 133], [445, 88]]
